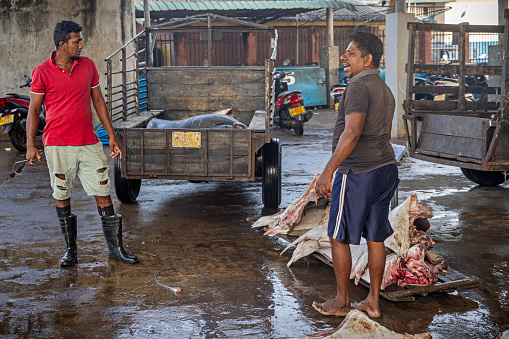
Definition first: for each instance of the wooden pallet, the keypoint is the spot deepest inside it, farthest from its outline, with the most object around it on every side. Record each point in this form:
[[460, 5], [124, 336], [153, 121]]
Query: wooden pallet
[[449, 281]]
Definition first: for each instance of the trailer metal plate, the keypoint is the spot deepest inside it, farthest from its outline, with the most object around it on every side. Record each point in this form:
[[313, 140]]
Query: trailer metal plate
[[186, 139]]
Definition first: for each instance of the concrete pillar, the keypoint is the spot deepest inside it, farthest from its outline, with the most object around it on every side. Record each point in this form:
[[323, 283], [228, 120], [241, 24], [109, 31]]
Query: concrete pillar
[[329, 58], [399, 6], [396, 57], [330, 27]]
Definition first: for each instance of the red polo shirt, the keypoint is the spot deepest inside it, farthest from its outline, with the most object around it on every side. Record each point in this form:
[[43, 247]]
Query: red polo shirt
[[67, 99]]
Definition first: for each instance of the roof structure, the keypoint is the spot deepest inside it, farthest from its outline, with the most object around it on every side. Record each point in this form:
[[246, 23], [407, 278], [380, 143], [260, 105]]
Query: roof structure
[[362, 13], [386, 2], [264, 10]]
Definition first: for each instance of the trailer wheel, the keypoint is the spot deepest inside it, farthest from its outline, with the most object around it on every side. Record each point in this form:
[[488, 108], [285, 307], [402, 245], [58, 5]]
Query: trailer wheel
[[127, 189], [271, 174], [484, 178]]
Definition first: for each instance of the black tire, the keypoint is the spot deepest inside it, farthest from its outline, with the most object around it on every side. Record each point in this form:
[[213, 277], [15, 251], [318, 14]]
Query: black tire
[[18, 136], [127, 190], [484, 178], [271, 174], [299, 128]]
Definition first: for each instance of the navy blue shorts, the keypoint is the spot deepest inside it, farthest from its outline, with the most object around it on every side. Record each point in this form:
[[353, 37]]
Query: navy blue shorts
[[360, 205]]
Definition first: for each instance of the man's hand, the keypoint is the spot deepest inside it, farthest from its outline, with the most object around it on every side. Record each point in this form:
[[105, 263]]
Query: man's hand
[[324, 185], [115, 149], [32, 153]]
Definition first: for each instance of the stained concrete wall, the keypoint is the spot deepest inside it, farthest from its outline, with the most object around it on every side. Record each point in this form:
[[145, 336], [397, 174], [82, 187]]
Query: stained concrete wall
[[26, 34]]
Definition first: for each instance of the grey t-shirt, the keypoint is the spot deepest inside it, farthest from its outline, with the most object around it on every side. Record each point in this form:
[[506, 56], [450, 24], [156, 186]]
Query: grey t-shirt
[[367, 94]]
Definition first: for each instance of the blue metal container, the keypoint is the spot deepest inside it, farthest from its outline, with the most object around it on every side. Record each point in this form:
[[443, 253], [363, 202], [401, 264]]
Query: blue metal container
[[310, 80]]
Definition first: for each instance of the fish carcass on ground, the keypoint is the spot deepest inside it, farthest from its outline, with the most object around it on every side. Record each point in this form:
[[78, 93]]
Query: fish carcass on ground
[[357, 325], [409, 260]]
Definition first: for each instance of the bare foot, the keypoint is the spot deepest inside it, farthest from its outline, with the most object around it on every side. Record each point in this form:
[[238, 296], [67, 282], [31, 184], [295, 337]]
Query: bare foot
[[372, 310], [332, 307]]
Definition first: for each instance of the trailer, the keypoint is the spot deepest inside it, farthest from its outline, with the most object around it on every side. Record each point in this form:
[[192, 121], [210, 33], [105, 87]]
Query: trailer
[[469, 129], [143, 89]]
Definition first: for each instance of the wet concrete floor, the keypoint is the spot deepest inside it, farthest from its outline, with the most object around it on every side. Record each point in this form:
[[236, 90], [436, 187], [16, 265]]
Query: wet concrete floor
[[243, 287]]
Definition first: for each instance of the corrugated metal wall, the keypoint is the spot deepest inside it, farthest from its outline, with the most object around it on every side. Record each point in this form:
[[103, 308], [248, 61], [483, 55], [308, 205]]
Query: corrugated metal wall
[[235, 48]]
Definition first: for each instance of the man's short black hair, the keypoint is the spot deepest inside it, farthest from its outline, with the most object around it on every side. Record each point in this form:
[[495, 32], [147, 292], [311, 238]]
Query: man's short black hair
[[368, 43], [63, 31]]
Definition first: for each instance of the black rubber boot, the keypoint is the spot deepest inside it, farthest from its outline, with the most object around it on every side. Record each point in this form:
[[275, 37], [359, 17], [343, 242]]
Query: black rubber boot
[[112, 227], [69, 227]]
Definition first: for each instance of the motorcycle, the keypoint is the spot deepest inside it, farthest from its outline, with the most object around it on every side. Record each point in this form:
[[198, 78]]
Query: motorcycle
[[336, 91], [423, 81], [451, 82], [13, 117], [289, 111]]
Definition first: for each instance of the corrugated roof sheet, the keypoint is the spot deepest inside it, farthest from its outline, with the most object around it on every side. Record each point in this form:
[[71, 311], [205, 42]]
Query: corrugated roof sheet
[[175, 9], [239, 5], [379, 2], [363, 12]]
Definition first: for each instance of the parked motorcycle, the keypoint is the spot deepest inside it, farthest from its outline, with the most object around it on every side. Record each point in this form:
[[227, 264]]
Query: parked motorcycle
[[289, 112], [13, 117], [336, 91], [452, 82], [422, 81]]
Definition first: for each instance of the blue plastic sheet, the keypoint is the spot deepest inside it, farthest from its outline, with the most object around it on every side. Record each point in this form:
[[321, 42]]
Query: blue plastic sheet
[[101, 134]]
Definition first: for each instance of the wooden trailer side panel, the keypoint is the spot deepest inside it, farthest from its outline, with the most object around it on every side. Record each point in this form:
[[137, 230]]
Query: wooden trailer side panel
[[188, 154], [452, 136], [199, 90]]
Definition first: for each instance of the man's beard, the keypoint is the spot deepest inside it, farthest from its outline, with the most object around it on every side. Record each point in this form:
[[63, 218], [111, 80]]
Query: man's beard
[[75, 57]]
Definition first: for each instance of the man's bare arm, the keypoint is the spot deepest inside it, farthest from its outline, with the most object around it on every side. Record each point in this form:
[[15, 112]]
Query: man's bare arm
[[34, 110], [346, 144], [102, 114]]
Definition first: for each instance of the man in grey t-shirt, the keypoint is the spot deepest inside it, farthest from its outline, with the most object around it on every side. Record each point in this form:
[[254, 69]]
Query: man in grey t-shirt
[[366, 176]]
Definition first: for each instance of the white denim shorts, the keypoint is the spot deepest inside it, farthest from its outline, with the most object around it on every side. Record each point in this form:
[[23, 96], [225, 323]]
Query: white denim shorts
[[88, 162]]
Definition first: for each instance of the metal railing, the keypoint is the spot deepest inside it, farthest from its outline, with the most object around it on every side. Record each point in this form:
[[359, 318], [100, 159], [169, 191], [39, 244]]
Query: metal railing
[[442, 46], [126, 89], [455, 62]]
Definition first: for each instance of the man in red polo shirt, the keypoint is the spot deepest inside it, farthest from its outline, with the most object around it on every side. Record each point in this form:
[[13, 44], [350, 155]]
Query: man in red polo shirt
[[67, 83]]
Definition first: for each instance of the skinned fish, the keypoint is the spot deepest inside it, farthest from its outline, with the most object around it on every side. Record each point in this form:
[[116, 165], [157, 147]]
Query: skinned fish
[[358, 325], [308, 243], [267, 220], [408, 260], [402, 221], [285, 221]]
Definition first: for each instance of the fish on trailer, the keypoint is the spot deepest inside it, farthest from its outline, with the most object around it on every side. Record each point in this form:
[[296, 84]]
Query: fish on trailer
[[212, 120]]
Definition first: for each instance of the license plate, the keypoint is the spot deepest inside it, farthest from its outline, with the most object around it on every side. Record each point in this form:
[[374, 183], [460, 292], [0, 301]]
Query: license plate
[[7, 120], [440, 97], [186, 139], [297, 110]]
